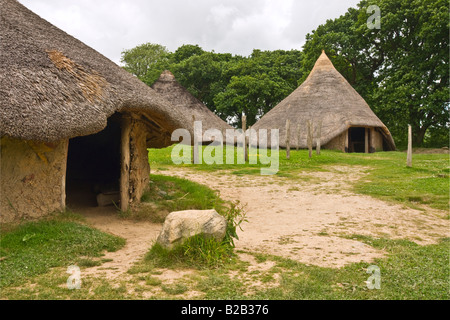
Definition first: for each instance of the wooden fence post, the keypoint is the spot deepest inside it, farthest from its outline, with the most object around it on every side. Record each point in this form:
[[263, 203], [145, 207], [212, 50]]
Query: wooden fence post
[[288, 138], [409, 155], [298, 137], [193, 138], [318, 137], [309, 138], [195, 148], [366, 140], [244, 129]]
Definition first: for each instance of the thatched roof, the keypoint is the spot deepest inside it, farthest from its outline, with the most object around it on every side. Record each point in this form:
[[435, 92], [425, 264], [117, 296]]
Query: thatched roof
[[53, 86], [170, 89], [324, 96]]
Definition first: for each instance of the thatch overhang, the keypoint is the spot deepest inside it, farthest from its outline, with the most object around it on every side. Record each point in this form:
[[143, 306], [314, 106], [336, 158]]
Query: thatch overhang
[[171, 90], [54, 87], [324, 97]]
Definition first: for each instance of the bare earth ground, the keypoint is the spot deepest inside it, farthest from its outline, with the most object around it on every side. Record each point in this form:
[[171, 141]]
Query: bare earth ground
[[303, 219], [139, 238]]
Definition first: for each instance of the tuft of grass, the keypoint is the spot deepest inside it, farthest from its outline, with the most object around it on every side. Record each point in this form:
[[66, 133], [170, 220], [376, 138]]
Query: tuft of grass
[[88, 263], [174, 289], [196, 252], [152, 281], [218, 286], [201, 250]]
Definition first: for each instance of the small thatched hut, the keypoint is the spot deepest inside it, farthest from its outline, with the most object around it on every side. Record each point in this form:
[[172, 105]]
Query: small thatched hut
[[327, 100], [170, 89], [73, 124]]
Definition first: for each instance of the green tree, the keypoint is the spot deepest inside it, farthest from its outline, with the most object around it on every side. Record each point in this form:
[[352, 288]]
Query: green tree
[[146, 61], [400, 69], [252, 95], [185, 52], [257, 83], [228, 85], [201, 74]]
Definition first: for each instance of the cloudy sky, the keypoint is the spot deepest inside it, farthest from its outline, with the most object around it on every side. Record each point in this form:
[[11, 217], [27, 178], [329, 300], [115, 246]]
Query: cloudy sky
[[232, 26]]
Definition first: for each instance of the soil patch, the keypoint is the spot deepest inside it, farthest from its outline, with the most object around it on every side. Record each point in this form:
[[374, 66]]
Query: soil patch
[[139, 238], [311, 218]]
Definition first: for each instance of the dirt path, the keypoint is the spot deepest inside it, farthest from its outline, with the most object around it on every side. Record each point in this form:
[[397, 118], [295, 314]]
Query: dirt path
[[139, 237], [304, 219]]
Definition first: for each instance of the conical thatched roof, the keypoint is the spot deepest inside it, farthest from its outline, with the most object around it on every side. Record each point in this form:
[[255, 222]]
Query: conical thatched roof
[[324, 96], [170, 89], [52, 86]]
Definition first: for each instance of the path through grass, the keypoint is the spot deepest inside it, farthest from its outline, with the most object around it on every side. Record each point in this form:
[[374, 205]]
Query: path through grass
[[388, 178]]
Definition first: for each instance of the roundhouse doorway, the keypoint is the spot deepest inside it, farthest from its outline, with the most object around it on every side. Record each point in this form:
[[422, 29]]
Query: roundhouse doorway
[[359, 139], [93, 166]]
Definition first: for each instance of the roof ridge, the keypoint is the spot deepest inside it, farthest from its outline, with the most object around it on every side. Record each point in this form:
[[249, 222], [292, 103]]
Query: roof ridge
[[323, 62]]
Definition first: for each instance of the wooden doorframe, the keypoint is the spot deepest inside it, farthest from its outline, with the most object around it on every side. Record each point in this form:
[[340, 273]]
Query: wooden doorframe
[[125, 163], [366, 140]]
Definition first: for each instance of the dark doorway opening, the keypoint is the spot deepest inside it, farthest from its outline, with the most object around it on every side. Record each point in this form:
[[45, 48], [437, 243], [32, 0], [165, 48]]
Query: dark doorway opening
[[93, 166], [356, 139]]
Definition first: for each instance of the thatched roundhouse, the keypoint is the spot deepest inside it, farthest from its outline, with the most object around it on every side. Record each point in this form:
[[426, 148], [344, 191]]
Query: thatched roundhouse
[[72, 123], [341, 116], [170, 89]]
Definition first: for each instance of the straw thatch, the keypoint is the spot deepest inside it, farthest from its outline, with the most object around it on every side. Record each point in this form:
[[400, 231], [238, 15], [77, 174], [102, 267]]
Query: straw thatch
[[54, 87], [326, 97], [170, 89]]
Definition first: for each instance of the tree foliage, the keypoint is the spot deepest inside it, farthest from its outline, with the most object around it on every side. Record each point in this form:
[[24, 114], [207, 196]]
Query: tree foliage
[[144, 60], [227, 84], [400, 69]]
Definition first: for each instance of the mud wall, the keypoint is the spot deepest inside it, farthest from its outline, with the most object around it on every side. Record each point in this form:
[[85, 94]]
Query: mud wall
[[377, 141], [337, 143], [32, 178]]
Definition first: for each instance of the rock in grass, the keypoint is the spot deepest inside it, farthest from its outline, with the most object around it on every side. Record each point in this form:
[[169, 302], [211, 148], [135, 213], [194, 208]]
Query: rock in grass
[[181, 225]]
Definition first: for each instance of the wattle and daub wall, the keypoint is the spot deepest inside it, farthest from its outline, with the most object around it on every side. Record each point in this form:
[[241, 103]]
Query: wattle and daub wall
[[33, 175], [32, 182]]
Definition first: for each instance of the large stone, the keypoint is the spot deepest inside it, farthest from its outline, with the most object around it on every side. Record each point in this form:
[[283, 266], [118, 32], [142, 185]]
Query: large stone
[[181, 225], [108, 198]]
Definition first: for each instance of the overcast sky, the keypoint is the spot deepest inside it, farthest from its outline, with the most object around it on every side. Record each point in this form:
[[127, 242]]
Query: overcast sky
[[232, 26]]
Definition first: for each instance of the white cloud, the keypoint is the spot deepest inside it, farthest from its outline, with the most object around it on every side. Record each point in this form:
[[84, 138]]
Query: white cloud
[[260, 29], [233, 26]]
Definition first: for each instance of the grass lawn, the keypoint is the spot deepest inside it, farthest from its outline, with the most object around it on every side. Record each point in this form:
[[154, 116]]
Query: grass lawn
[[34, 256], [409, 272], [34, 248], [388, 178]]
